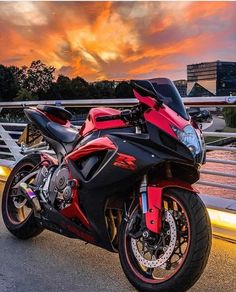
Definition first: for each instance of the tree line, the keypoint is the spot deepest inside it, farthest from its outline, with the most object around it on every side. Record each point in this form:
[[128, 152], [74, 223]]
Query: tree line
[[37, 82]]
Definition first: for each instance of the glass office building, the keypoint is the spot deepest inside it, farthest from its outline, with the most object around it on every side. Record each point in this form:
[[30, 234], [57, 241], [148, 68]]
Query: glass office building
[[181, 85], [211, 78]]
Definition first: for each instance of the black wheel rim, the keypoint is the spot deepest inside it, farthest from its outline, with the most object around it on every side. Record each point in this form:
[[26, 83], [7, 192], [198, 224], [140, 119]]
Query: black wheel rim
[[17, 207], [182, 244]]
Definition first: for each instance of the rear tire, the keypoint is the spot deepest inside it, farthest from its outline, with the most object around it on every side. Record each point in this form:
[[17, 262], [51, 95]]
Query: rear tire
[[193, 261], [16, 221]]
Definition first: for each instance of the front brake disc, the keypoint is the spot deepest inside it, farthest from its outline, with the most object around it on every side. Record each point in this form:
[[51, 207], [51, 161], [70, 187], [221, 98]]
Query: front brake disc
[[168, 250]]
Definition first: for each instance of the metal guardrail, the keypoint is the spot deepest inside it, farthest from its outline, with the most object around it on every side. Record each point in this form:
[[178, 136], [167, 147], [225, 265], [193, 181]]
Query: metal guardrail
[[222, 211], [10, 132], [214, 101]]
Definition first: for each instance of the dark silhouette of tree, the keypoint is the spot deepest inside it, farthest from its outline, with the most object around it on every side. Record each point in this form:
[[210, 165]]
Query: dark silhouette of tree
[[8, 84], [123, 90], [93, 91], [36, 82], [105, 88], [80, 88], [37, 79], [64, 87]]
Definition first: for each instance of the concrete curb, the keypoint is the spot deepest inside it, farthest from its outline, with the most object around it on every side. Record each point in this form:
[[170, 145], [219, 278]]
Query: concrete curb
[[223, 216]]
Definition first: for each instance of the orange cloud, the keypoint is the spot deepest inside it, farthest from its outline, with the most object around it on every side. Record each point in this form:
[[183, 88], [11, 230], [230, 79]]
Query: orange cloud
[[205, 9], [98, 40]]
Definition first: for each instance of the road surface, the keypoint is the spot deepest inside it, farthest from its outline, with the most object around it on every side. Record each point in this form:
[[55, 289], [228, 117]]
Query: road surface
[[218, 124], [51, 262]]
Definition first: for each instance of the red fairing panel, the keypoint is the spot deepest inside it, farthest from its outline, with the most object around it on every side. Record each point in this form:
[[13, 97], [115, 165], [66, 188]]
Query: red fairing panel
[[154, 200], [164, 118], [161, 116], [149, 101], [91, 124], [73, 210], [99, 144]]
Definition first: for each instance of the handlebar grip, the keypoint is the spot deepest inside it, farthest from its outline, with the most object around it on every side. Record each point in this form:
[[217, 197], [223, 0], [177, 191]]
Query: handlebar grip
[[108, 118]]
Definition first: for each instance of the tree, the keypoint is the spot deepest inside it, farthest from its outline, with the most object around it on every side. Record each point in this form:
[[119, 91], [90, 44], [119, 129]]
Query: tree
[[24, 95], [8, 84], [124, 90], [105, 88], [38, 78], [80, 88], [19, 74], [64, 87]]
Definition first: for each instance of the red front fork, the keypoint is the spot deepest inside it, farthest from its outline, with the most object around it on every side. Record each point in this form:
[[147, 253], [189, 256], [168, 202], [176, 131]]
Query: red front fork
[[152, 201]]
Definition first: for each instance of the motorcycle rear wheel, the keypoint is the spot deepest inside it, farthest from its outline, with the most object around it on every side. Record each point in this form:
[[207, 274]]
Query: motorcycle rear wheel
[[18, 217], [147, 262]]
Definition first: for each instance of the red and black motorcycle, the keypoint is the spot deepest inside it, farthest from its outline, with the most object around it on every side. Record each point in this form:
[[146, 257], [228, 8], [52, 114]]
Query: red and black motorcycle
[[124, 183]]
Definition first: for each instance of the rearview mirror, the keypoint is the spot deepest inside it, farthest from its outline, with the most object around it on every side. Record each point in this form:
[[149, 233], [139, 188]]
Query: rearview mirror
[[200, 116]]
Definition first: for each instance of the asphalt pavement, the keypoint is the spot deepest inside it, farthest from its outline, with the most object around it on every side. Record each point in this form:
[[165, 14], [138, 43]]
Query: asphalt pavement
[[51, 262]]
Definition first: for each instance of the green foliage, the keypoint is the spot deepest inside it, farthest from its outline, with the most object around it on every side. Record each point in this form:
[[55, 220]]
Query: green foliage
[[24, 95], [230, 116]]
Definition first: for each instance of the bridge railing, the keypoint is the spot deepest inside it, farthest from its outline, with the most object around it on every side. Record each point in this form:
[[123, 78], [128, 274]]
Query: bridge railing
[[222, 211], [10, 132]]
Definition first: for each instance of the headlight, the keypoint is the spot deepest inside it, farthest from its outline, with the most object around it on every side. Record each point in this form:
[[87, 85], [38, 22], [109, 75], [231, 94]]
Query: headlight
[[189, 137]]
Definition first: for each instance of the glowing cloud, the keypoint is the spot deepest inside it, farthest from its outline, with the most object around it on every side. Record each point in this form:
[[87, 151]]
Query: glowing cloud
[[117, 40]]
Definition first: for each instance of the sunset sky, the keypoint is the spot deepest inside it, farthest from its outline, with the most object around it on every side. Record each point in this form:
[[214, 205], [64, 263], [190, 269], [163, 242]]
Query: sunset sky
[[117, 40]]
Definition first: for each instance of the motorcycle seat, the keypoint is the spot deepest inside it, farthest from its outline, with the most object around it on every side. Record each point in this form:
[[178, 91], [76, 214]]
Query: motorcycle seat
[[56, 111], [62, 133]]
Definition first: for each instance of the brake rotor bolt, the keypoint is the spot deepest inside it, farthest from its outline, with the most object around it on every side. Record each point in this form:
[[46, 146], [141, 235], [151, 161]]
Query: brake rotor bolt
[[145, 234]]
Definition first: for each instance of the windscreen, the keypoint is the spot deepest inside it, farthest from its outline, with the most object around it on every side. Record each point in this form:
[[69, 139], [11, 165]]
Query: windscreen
[[164, 90], [169, 95]]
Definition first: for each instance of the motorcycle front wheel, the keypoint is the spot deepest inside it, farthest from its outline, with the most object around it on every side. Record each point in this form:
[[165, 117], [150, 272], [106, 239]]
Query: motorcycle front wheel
[[174, 259]]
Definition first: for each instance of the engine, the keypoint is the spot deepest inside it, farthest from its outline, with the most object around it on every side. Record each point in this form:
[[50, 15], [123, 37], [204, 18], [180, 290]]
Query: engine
[[60, 189]]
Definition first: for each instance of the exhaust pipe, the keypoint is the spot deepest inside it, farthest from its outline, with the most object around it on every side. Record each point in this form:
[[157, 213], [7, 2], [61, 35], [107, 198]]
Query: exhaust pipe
[[31, 197]]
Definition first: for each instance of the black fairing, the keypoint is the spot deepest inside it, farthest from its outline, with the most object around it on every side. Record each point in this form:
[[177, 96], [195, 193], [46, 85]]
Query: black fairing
[[108, 180]]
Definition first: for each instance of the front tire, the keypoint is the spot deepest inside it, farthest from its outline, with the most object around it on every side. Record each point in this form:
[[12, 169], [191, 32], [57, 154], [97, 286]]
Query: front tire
[[143, 264], [17, 216]]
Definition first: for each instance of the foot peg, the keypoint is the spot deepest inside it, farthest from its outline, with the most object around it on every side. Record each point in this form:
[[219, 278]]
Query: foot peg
[[31, 197]]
